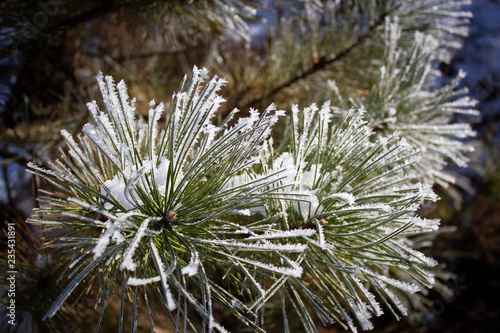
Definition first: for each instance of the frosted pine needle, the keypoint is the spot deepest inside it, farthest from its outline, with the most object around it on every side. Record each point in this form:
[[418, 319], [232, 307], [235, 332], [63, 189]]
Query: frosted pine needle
[[202, 213], [151, 203]]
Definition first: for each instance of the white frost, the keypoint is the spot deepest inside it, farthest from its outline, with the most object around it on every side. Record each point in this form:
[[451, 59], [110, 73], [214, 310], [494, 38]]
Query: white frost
[[192, 268]]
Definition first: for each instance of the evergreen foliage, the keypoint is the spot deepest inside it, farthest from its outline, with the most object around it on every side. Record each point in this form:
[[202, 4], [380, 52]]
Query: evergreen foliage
[[310, 206]]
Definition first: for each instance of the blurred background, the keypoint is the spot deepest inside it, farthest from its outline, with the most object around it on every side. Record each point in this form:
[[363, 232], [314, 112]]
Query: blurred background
[[50, 52]]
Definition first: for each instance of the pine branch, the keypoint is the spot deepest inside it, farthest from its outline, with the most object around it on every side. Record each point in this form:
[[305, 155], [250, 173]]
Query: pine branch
[[159, 53], [322, 64], [323, 225]]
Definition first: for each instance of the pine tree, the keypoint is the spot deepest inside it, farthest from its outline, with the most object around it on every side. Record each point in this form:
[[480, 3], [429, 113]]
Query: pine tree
[[308, 202]]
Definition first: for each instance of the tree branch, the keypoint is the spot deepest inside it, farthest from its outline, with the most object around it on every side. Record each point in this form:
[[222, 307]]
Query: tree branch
[[321, 65]]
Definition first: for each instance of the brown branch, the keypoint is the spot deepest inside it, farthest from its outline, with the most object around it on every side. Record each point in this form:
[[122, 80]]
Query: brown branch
[[145, 55], [322, 64]]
